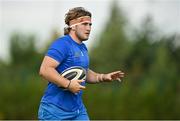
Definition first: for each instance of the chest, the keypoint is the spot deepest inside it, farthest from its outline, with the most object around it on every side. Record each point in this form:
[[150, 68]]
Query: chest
[[78, 56]]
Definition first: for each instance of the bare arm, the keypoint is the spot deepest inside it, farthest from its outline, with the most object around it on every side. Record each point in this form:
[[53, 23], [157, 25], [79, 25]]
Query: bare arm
[[93, 77], [48, 72]]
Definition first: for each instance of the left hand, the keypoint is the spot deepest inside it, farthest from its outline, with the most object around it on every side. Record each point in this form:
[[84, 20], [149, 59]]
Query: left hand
[[117, 75]]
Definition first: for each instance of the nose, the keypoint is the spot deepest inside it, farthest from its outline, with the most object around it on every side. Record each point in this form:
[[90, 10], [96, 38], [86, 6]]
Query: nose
[[88, 27]]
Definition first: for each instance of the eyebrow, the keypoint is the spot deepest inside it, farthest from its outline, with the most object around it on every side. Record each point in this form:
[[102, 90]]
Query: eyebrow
[[80, 20], [87, 23]]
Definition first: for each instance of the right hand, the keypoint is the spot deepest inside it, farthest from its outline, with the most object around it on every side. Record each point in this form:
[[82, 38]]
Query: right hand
[[76, 86]]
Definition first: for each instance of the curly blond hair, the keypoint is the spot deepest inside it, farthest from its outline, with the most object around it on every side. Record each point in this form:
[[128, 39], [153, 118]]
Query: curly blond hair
[[73, 14]]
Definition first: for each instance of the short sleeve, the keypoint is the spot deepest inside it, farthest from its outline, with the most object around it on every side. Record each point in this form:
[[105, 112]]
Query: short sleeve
[[58, 50]]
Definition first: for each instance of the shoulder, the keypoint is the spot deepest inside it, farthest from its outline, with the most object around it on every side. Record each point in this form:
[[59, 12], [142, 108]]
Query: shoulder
[[60, 42], [59, 49]]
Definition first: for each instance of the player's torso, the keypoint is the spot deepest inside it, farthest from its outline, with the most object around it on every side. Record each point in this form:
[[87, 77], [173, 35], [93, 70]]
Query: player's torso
[[77, 56]]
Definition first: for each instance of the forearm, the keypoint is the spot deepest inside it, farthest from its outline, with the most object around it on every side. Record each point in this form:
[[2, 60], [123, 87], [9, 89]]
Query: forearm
[[53, 76], [93, 77]]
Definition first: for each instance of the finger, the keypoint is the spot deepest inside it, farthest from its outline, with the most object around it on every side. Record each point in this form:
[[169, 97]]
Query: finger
[[119, 79], [121, 74], [116, 75], [115, 72], [115, 78], [80, 81], [82, 87]]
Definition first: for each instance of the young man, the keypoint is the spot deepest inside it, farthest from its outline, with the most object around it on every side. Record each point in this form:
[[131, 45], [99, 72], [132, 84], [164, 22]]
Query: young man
[[68, 51]]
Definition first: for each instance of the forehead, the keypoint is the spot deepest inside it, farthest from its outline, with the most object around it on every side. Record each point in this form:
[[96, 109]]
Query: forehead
[[83, 19]]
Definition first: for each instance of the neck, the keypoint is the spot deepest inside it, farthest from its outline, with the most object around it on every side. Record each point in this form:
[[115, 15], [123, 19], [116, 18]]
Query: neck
[[75, 38]]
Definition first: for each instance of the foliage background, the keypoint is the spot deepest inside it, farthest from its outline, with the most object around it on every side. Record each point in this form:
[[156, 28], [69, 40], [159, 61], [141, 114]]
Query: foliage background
[[150, 60]]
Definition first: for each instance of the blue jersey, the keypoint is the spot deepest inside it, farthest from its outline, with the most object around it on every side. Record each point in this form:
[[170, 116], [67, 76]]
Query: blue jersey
[[68, 53]]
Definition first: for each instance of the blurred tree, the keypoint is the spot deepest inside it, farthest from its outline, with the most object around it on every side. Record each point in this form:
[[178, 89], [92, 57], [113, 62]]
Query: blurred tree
[[110, 53], [54, 35], [151, 64], [112, 48], [21, 86], [142, 54]]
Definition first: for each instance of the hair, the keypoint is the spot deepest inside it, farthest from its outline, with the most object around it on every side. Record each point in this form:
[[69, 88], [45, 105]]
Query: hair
[[74, 13]]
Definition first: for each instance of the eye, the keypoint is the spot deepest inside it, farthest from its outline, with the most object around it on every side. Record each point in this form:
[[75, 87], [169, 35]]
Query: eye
[[90, 24]]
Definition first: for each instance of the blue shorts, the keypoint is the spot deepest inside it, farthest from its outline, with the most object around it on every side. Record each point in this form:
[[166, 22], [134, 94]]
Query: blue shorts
[[52, 112]]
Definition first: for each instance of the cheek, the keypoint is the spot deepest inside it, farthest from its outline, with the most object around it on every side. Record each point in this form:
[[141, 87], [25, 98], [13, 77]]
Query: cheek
[[80, 30], [80, 33]]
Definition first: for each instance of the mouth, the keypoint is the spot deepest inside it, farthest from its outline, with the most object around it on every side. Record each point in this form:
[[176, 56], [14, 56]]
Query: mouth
[[87, 33]]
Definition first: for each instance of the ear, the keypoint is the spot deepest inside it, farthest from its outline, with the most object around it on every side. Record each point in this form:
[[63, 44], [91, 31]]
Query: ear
[[73, 28]]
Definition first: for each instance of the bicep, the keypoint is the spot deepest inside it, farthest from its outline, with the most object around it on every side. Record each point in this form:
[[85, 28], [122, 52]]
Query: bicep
[[49, 62]]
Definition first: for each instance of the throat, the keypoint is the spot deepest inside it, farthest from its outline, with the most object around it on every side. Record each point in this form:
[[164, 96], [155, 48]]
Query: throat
[[76, 39]]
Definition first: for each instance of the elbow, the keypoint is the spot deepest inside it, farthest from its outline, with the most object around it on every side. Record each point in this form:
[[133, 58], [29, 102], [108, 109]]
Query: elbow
[[41, 72]]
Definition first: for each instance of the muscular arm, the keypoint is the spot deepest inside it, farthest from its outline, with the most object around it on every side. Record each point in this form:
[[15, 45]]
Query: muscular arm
[[93, 77], [48, 72]]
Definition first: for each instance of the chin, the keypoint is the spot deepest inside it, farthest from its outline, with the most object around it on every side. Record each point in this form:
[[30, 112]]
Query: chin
[[85, 38]]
